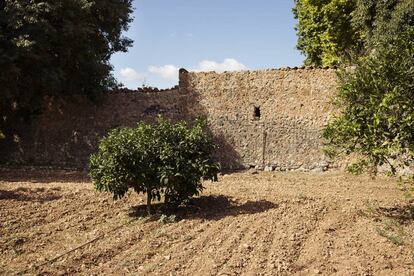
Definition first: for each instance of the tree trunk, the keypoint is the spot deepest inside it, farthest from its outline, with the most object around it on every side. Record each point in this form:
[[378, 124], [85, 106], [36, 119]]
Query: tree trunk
[[149, 198]]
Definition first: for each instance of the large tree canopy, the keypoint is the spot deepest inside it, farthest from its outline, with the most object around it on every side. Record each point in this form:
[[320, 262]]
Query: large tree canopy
[[58, 47], [332, 32], [325, 32], [379, 19]]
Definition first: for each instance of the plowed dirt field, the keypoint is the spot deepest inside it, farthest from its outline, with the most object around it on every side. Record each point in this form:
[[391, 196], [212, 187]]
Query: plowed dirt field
[[55, 223]]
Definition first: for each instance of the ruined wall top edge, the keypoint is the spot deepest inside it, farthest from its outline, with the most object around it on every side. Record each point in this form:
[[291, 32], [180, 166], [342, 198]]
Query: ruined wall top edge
[[183, 71], [332, 68], [143, 90]]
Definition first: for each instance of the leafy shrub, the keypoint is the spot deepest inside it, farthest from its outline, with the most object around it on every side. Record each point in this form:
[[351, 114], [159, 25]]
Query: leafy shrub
[[164, 159], [377, 102]]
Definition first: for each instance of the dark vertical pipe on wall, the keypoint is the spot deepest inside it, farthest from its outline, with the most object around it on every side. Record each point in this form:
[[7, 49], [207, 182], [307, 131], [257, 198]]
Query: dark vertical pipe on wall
[[264, 148]]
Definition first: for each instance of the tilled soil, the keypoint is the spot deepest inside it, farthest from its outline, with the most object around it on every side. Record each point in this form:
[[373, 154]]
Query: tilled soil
[[55, 223]]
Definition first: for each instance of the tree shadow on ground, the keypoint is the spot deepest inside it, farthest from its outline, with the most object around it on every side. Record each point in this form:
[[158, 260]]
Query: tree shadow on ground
[[404, 214], [36, 195], [206, 207], [41, 175]]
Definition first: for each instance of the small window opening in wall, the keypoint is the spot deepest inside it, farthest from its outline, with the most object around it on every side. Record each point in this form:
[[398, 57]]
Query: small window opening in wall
[[257, 113]]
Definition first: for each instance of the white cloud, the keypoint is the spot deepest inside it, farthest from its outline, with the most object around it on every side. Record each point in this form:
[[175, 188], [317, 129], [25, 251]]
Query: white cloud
[[229, 64], [129, 74], [170, 72], [167, 71]]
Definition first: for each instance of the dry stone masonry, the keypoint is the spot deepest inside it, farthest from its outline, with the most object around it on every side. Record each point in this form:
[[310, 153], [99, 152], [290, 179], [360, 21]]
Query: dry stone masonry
[[270, 119]]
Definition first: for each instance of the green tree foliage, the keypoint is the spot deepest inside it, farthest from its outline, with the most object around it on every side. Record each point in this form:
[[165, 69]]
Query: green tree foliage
[[332, 32], [379, 19], [326, 35], [163, 159], [377, 99], [58, 47]]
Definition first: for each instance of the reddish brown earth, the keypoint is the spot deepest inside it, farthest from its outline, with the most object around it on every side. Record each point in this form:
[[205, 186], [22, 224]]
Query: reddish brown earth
[[53, 222]]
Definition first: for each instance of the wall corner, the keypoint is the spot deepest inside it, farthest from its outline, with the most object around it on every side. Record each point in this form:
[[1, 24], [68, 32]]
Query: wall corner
[[183, 81]]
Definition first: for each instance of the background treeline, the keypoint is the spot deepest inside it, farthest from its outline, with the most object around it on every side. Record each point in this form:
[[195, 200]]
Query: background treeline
[[333, 32], [57, 47]]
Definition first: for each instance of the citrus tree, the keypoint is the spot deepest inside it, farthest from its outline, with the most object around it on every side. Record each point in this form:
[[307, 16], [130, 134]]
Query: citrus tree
[[377, 102], [162, 160]]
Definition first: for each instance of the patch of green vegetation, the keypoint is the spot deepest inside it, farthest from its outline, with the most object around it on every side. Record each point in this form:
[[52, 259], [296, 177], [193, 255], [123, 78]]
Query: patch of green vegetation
[[393, 231], [391, 223]]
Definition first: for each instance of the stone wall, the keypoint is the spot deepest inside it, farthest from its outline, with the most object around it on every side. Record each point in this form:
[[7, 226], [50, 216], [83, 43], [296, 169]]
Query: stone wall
[[269, 118], [69, 130]]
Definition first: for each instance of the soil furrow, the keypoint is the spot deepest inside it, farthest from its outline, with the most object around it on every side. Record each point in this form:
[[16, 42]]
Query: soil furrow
[[246, 224]]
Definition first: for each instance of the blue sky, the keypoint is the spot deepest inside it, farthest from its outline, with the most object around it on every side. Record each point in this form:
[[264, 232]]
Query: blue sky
[[206, 35]]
